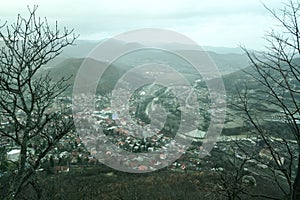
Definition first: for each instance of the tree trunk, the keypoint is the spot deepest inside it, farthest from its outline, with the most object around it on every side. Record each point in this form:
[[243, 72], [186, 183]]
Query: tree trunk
[[296, 185], [18, 182]]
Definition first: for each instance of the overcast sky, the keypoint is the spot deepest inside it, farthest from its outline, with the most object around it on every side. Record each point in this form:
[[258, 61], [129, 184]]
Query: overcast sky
[[225, 23]]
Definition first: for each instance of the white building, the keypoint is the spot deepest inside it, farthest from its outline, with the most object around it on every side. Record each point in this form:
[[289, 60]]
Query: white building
[[13, 155]]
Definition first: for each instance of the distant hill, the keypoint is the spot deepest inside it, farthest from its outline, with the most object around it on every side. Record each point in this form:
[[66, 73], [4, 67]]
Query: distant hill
[[68, 63], [227, 60], [224, 50], [243, 76], [68, 68], [238, 78], [226, 63]]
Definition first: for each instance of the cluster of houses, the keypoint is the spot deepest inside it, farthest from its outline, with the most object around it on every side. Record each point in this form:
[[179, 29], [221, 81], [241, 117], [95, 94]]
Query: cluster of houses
[[102, 128], [103, 133]]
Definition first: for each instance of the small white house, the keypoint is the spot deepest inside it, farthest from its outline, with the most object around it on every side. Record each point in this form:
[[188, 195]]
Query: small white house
[[13, 155]]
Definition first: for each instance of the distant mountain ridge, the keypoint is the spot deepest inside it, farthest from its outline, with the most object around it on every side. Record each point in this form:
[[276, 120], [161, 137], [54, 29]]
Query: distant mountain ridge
[[228, 60], [83, 47], [224, 50]]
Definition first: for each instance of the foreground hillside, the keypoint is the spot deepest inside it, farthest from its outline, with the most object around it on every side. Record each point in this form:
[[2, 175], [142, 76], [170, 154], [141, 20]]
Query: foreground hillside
[[100, 182]]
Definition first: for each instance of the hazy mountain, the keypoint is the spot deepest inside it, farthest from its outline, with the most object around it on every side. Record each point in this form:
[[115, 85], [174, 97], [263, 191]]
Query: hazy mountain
[[226, 63], [244, 77], [69, 68], [227, 60], [83, 47], [69, 62], [224, 50]]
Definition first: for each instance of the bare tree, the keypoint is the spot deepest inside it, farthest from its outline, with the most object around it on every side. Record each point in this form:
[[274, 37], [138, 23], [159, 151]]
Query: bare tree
[[277, 72], [26, 99], [230, 184]]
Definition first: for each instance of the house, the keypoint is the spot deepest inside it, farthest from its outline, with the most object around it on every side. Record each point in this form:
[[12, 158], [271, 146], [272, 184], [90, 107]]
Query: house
[[266, 153], [162, 156], [60, 169], [13, 155], [142, 168]]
